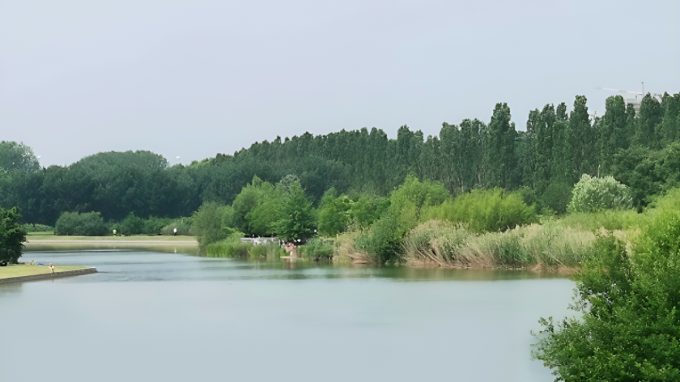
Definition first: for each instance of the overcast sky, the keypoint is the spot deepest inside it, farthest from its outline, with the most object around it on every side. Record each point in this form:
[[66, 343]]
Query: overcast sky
[[195, 78]]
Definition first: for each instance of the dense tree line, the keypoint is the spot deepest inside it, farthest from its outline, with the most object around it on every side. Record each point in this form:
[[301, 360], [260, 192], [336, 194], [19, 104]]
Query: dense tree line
[[547, 158]]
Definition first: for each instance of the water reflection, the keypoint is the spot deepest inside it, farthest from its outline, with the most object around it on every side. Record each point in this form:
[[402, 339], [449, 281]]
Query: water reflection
[[161, 316], [127, 265]]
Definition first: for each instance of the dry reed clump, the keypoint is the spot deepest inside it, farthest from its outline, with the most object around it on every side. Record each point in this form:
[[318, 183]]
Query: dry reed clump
[[447, 245], [346, 252]]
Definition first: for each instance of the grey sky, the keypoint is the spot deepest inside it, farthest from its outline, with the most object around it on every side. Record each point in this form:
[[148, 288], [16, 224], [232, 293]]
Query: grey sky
[[194, 78]]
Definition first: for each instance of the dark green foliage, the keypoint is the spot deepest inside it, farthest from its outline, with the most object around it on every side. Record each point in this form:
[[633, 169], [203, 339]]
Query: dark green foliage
[[38, 228], [499, 146], [629, 326], [649, 121], [81, 223], [131, 225], [556, 197], [12, 235], [183, 226], [648, 172], [557, 147], [486, 210], [612, 133], [134, 225], [581, 139]]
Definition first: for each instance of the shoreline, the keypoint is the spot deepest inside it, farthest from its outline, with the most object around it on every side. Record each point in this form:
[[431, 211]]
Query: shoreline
[[47, 275], [189, 245]]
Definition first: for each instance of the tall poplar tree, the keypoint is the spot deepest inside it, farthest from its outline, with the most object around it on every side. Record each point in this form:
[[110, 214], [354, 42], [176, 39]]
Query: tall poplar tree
[[501, 162]]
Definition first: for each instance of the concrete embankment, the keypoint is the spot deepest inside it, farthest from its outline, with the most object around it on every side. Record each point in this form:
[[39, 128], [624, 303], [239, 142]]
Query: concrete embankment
[[48, 276]]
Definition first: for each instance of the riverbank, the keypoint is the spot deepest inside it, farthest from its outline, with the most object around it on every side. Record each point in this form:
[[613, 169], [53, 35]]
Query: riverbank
[[30, 272], [184, 244]]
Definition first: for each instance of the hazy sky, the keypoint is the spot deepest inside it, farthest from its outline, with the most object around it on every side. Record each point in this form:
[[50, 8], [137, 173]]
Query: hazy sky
[[196, 77]]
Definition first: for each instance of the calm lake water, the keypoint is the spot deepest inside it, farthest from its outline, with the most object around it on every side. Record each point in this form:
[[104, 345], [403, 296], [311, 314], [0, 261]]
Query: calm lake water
[[167, 317]]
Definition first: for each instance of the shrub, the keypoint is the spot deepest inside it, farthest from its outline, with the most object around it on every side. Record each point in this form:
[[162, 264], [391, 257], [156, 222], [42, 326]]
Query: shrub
[[12, 235], [134, 225], [382, 241], [556, 197], [81, 223], [318, 249], [131, 225], [38, 228], [627, 326], [596, 194], [154, 225], [208, 223], [183, 226], [486, 210]]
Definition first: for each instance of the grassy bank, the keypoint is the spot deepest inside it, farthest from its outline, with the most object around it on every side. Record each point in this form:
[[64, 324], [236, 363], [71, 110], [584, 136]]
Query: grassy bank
[[23, 270], [185, 244]]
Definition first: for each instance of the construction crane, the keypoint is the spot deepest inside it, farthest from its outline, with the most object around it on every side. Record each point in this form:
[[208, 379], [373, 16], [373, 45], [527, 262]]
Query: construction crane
[[634, 97]]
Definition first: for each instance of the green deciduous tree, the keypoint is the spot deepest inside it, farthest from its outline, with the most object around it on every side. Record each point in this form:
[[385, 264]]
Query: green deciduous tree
[[297, 221], [12, 235], [334, 213], [499, 148]]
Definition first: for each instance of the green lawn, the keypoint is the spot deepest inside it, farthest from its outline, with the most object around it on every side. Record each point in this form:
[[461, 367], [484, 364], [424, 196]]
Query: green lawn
[[184, 244], [19, 270]]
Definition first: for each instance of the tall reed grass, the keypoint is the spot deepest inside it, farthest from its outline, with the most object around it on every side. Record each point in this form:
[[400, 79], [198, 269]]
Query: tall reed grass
[[445, 244], [232, 247]]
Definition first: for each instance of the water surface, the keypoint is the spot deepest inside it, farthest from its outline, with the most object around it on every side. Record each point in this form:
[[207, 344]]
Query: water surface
[[167, 317]]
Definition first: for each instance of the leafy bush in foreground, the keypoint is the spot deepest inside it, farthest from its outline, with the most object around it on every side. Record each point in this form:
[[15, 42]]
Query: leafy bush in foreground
[[629, 325]]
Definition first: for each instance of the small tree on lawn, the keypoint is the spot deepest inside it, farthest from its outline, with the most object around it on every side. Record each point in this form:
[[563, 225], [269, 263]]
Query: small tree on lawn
[[12, 235], [298, 220]]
